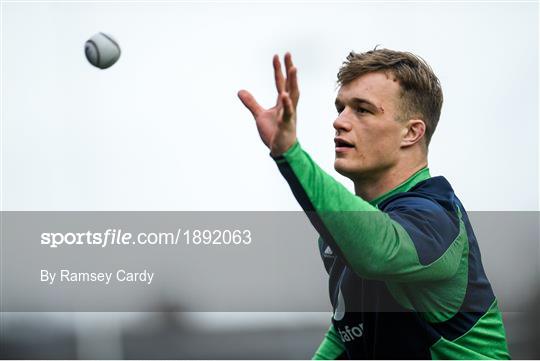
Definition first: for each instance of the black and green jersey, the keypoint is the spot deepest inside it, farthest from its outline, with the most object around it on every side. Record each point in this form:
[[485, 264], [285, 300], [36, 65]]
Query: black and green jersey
[[406, 278]]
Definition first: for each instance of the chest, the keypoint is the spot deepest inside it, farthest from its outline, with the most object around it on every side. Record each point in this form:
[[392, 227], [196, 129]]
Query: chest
[[369, 322]]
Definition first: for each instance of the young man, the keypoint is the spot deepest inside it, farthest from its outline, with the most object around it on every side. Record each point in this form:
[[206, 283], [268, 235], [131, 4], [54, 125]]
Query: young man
[[406, 278]]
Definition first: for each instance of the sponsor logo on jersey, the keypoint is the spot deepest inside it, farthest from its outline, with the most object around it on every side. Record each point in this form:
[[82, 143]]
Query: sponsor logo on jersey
[[349, 334]]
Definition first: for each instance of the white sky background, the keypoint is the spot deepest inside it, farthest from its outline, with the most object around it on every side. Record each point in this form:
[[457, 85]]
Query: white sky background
[[163, 128]]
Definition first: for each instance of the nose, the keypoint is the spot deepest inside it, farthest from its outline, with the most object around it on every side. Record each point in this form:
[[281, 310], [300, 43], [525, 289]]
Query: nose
[[341, 124]]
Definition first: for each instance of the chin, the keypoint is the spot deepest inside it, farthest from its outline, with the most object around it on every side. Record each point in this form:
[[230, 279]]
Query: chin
[[341, 166], [352, 171]]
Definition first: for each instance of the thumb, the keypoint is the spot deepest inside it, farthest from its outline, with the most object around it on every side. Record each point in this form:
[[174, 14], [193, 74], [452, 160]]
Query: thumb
[[249, 102]]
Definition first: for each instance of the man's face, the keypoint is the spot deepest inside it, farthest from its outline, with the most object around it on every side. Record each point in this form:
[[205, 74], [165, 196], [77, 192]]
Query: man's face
[[368, 109]]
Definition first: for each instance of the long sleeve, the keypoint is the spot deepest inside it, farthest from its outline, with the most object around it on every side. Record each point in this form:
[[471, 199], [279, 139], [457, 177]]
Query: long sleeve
[[331, 347], [403, 244]]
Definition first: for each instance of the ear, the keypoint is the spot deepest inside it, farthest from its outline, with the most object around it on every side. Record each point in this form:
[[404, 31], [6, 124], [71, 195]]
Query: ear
[[413, 132]]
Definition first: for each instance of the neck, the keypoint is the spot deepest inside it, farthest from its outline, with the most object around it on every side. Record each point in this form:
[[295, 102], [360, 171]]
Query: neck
[[371, 186]]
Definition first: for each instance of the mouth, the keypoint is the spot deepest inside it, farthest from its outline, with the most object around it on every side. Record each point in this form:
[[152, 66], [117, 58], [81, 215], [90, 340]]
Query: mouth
[[342, 145]]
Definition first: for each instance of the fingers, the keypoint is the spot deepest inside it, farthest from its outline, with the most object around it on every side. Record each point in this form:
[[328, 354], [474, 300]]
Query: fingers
[[278, 75], [249, 101], [288, 108], [288, 61], [292, 80], [287, 89], [291, 83]]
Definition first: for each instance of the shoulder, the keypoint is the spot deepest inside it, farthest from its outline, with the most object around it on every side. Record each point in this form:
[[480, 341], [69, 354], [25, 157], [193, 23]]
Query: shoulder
[[433, 194], [428, 212]]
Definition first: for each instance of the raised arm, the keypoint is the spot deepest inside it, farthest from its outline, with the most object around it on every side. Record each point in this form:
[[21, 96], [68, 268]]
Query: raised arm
[[374, 244]]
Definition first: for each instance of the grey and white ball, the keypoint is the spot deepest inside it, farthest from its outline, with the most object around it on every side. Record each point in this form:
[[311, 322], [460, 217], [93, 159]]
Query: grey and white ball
[[101, 50]]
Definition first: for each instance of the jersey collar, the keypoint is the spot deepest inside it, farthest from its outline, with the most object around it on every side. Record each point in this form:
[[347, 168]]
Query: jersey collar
[[413, 180]]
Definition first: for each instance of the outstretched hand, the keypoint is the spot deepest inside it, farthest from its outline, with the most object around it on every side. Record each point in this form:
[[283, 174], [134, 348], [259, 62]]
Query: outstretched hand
[[277, 125]]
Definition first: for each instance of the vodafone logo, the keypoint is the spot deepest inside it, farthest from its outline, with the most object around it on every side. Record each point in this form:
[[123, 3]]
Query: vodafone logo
[[348, 334]]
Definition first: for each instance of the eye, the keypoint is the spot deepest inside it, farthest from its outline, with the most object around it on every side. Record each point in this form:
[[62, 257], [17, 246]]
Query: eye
[[362, 110], [339, 109]]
